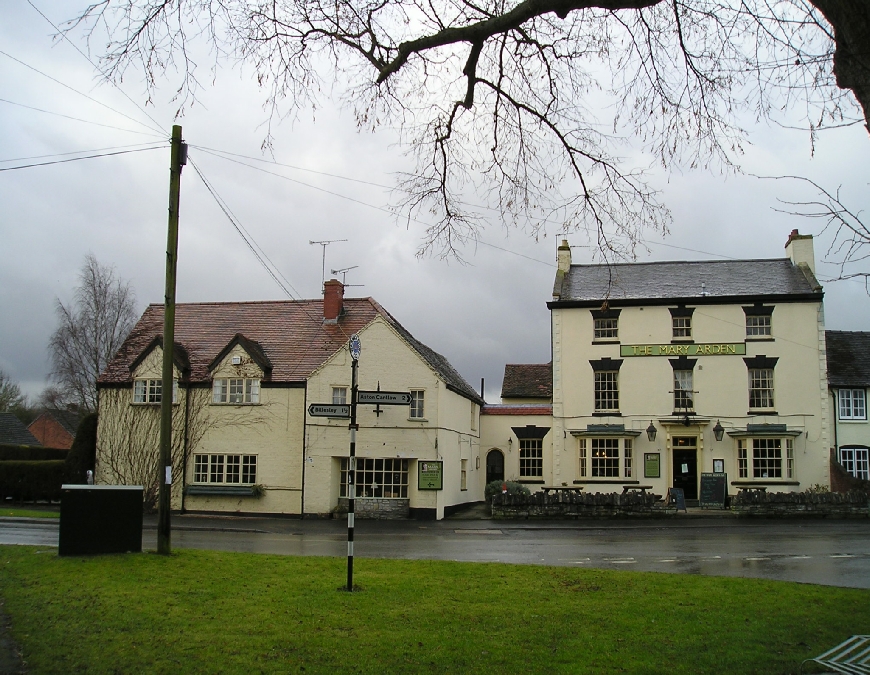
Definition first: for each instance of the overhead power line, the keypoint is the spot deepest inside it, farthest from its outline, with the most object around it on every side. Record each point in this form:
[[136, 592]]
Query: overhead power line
[[63, 34], [76, 159], [78, 119], [216, 153], [80, 152], [90, 98]]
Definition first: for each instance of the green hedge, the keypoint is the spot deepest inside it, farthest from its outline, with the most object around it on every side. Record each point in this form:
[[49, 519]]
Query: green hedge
[[27, 453], [31, 480]]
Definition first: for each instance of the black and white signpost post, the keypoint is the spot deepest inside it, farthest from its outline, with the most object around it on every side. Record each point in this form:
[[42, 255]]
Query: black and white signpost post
[[379, 398], [355, 349]]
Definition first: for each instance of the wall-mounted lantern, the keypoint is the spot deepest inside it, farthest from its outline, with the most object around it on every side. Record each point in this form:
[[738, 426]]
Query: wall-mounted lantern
[[651, 431], [719, 431]]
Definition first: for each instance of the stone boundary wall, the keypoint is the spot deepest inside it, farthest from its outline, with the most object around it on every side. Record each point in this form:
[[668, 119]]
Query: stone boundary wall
[[367, 508], [579, 505], [854, 504]]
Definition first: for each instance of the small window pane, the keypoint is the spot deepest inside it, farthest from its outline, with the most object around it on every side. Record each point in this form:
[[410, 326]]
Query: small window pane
[[606, 328], [417, 403], [757, 326]]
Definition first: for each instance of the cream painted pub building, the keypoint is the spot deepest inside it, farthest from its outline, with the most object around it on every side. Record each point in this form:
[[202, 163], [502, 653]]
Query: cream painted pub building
[[244, 440], [663, 371]]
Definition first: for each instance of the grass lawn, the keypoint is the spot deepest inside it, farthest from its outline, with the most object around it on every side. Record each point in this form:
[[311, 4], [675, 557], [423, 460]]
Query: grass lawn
[[215, 612], [28, 513]]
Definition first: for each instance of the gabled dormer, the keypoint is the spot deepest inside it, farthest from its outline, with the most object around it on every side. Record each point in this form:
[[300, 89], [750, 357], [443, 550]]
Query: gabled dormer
[[237, 371], [147, 372]]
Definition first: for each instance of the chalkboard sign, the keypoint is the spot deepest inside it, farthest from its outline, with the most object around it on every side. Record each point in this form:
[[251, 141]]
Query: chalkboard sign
[[713, 490], [678, 497]]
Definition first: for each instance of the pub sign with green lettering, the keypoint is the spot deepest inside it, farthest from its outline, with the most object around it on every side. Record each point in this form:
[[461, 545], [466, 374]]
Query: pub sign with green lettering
[[652, 467], [430, 475]]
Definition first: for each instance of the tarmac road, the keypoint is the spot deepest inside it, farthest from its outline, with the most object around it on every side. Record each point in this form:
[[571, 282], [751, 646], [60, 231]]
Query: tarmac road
[[829, 552]]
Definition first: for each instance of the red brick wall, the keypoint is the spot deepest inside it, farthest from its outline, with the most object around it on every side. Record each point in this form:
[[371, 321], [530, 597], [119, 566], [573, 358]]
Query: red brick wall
[[50, 433]]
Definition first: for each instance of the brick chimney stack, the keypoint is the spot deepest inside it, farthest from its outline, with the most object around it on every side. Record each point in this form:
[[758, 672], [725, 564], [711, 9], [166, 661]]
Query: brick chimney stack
[[333, 298]]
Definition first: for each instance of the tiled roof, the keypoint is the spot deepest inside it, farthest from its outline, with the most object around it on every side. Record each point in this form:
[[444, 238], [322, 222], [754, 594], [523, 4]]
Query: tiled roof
[[68, 419], [684, 280], [848, 358], [517, 409], [527, 380], [13, 431], [291, 334]]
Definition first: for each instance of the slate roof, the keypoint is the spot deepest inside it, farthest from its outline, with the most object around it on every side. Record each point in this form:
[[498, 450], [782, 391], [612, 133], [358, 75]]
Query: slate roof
[[68, 419], [13, 431], [527, 380], [848, 355], [291, 334], [712, 280]]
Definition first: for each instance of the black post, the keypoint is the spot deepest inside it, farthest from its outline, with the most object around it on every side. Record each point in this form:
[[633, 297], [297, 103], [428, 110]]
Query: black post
[[351, 471]]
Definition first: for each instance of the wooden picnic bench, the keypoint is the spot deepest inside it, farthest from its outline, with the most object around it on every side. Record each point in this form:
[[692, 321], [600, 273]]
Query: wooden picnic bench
[[636, 488], [562, 488]]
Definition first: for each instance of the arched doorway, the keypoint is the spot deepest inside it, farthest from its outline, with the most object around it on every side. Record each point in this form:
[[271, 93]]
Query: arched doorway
[[494, 465]]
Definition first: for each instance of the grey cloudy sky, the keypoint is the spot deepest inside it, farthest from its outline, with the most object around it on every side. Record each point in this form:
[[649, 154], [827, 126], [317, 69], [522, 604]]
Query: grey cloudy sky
[[480, 315]]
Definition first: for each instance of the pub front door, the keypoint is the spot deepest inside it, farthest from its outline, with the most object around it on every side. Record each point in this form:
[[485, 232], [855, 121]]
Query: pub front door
[[685, 465]]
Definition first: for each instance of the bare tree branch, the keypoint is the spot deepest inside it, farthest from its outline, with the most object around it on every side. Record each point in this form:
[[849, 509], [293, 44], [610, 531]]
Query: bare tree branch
[[497, 102]]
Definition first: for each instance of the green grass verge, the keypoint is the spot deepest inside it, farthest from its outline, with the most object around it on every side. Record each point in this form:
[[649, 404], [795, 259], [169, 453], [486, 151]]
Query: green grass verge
[[214, 612], [28, 513]]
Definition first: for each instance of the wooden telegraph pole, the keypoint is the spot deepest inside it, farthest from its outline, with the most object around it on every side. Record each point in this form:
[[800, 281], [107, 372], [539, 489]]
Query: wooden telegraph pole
[[164, 469]]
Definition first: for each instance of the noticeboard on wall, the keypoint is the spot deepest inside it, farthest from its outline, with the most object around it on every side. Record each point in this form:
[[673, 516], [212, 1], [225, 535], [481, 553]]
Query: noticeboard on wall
[[652, 465], [430, 475]]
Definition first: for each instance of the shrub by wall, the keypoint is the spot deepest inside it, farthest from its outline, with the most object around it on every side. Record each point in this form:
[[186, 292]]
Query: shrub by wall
[[31, 480], [29, 453], [83, 453]]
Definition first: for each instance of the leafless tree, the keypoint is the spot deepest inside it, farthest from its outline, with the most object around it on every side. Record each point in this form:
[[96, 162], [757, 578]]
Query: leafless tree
[[90, 331], [128, 445], [850, 234], [501, 100], [11, 397]]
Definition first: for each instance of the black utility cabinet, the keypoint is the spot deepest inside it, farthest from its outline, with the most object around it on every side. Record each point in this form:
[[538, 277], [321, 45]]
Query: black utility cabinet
[[100, 519]]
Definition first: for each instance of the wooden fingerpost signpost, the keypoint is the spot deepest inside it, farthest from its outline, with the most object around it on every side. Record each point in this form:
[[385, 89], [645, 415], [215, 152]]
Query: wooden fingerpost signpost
[[356, 396]]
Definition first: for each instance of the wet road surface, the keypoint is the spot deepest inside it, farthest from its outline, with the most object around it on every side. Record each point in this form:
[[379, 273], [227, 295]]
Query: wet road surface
[[827, 552]]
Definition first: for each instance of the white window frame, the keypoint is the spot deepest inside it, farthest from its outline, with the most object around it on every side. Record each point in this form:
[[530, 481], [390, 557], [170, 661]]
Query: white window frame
[[235, 391], [605, 456], [224, 469], [684, 382], [339, 396], [606, 390], [856, 461], [417, 409], [681, 327], [582, 451], [531, 457], [761, 389], [765, 456], [376, 477], [149, 391], [758, 325], [605, 328], [852, 404]]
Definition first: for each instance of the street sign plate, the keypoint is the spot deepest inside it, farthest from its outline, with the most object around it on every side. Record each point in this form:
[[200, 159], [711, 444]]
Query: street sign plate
[[324, 410], [384, 397]]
